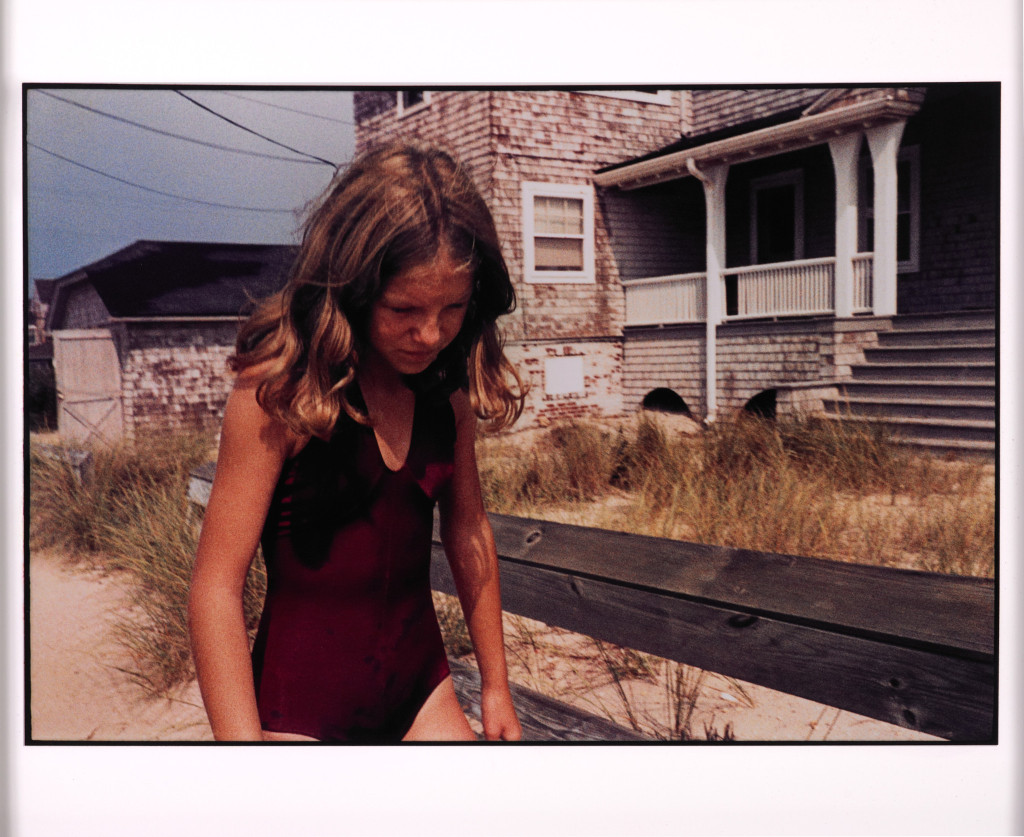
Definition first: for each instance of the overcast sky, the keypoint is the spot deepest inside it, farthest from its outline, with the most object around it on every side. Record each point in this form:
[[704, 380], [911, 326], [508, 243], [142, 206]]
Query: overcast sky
[[235, 187]]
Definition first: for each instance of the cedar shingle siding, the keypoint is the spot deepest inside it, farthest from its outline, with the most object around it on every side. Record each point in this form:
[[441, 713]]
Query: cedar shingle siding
[[716, 109], [570, 339]]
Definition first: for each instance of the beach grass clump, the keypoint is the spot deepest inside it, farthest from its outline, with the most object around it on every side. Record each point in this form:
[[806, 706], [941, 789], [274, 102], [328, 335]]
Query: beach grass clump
[[129, 513], [572, 462], [797, 485], [72, 505]]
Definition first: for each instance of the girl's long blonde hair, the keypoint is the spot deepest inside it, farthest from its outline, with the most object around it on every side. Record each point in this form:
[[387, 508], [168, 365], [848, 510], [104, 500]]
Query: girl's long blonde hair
[[393, 208]]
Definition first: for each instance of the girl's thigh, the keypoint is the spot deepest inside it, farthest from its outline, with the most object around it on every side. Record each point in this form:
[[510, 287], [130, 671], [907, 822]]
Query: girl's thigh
[[268, 735], [441, 718]]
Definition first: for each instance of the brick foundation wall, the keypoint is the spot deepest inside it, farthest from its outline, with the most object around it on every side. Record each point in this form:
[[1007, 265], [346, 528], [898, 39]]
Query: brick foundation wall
[[602, 363], [176, 377]]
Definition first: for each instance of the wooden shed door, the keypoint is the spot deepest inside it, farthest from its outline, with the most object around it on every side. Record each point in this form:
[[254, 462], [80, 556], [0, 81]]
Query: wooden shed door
[[88, 385]]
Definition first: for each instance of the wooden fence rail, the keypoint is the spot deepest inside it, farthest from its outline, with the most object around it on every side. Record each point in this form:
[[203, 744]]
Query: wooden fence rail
[[910, 648]]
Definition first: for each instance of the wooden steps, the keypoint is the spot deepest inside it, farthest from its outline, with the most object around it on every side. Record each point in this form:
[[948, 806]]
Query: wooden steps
[[931, 382]]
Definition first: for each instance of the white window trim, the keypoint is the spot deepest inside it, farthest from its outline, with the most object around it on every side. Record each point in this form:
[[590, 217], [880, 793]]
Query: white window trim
[[530, 190], [404, 111], [661, 97], [795, 178], [909, 154]]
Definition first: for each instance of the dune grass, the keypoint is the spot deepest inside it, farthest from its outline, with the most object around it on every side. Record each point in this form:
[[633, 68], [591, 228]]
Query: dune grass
[[801, 486], [131, 515]]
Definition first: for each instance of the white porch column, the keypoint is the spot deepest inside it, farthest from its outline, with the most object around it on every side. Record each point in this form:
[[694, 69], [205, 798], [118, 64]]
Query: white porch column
[[884, 142], [714, 200], [845, 152]]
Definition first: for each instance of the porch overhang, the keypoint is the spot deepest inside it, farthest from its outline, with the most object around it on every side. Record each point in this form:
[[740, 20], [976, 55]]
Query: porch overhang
[[803, 132]]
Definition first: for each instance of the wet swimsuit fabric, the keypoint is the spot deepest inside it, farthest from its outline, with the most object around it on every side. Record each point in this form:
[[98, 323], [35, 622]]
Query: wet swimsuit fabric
[[348, 647]]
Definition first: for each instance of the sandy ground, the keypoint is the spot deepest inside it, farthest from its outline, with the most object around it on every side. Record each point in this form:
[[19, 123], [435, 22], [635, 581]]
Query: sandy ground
[[80, 693]]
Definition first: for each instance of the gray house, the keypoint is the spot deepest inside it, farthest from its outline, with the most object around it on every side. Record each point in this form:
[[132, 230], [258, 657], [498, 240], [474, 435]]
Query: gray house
[[827, 249], [709, 250]]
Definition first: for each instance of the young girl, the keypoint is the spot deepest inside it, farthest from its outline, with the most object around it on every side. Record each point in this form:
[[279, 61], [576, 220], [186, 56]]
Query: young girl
[[354, 411]]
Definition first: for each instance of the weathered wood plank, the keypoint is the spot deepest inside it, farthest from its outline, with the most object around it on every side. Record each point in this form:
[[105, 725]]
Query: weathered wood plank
[[542, 718], [909, 607], [932, 692]]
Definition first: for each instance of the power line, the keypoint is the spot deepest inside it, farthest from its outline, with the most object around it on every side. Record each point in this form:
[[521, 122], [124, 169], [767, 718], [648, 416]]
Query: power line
[[176, 136], [156, 191], [236, 95], [256, 133]]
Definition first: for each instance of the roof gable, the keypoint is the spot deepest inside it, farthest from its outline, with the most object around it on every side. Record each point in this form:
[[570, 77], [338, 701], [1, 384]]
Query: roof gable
[[156, 279]]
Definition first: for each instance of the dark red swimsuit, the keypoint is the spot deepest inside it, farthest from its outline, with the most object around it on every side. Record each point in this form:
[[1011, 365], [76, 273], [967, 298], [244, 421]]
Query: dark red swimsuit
[[348, 647]]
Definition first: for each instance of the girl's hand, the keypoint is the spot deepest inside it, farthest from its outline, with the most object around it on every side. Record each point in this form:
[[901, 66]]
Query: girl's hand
[[499, 715]]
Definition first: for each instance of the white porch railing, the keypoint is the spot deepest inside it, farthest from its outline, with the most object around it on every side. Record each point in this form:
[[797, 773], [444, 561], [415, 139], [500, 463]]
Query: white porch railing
[[805, 287], [863, 272], [681, 298], [785, 288]]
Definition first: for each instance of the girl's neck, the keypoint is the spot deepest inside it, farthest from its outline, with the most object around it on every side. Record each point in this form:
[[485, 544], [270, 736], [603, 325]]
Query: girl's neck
[[377, 374]]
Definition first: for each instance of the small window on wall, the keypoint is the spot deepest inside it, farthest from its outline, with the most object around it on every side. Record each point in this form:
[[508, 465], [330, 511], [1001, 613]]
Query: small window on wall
[[558, 231], [908, 208], [564, 375], [412, 100]]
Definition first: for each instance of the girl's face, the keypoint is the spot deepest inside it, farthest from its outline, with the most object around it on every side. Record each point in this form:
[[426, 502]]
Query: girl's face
[[419, 313]]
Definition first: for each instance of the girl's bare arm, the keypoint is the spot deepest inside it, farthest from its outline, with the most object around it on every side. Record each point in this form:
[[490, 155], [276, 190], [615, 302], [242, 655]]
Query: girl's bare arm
[[469, 545], [252, 451]]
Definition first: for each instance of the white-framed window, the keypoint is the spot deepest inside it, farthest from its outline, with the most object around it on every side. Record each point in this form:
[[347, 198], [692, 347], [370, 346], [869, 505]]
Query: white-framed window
[[777, 217], [646, 95], [558, 232], [410, 101], [564, 375], [908, 208]]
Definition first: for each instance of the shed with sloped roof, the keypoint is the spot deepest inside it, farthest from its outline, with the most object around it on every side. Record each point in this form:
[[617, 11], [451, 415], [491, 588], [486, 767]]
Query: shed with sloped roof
[[141, 337]]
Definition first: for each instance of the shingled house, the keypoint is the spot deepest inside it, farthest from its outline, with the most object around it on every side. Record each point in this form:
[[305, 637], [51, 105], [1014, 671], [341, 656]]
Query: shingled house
[[721, 249], [141, 337], [710, 250]]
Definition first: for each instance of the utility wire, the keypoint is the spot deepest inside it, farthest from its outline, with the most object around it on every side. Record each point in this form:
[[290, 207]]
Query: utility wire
[[256, 133], [156, 191], [253, 99], [178, 136]]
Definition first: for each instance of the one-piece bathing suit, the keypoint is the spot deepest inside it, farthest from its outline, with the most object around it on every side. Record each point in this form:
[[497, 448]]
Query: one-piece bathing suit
[[348, 647]]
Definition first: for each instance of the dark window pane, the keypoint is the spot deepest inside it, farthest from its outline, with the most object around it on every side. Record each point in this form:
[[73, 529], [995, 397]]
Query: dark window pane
[[412, 97]]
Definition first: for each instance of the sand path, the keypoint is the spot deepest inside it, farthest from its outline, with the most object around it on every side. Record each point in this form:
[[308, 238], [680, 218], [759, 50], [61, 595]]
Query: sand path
[[78, 690]]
